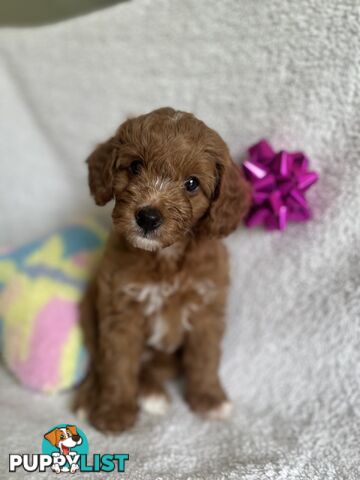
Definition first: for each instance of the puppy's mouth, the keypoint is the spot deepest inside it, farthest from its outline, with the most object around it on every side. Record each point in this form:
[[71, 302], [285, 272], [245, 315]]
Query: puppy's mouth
[[65, 450], [148, 239], [145, 234], [145, 243]]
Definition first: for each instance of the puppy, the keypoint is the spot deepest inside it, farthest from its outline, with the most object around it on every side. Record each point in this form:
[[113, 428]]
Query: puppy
[[156, 306]]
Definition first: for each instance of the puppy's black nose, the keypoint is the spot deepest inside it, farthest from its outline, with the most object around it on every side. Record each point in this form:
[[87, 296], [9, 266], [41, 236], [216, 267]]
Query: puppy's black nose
[[148, 219], [76, 438]]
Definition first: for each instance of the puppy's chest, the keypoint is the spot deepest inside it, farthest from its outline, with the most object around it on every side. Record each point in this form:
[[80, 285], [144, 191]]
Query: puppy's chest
[[169, 307]]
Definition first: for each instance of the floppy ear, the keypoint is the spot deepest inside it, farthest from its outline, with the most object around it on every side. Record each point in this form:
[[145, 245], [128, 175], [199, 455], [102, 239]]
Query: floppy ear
[[101, 165], [230, 203], [72, 429], [51, 436]]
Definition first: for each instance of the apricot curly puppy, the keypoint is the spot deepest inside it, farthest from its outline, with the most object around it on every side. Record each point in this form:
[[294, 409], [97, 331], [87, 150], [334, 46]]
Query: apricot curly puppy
[[156, 306]]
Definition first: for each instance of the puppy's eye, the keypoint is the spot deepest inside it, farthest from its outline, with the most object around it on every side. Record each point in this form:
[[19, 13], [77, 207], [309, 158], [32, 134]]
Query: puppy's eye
[[192, 184], [135, 167]]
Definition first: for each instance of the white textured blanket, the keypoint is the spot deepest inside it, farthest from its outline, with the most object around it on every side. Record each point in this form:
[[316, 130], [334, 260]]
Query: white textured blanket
[[287, 70]]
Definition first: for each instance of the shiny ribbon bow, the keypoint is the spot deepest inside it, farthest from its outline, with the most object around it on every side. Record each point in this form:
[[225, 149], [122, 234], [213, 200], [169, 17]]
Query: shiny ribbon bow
[[279, 182]]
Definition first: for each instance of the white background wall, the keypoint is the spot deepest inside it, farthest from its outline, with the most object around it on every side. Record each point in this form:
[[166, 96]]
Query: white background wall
[[283, 69], [248, 68]]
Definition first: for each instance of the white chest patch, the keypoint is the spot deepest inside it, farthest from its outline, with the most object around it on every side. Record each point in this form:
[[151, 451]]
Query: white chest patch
[[158, 333], [153, 297]]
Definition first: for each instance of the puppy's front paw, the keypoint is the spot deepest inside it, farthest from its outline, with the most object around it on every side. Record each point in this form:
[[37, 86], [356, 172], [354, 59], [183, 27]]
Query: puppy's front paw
[[155, 404], [56, 468], [113, 419], [74, 468], [211, 405], [221, 412], [85, 397]]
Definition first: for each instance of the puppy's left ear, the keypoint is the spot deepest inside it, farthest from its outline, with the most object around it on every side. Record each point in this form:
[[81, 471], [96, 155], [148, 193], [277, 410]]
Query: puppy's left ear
[[230, 202]]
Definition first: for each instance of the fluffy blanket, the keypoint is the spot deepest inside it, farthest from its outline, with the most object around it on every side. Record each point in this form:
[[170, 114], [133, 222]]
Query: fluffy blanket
[[286, 70]]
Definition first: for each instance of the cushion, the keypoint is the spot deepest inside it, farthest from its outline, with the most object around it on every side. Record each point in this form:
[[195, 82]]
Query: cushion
[[41, 284]]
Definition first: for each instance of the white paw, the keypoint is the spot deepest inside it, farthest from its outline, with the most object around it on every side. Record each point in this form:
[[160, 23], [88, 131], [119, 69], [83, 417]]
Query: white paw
[[74, 467], [154, 404], [222, 412]]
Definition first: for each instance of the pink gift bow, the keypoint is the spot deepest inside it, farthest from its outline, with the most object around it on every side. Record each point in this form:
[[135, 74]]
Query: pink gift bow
[[279, 182]]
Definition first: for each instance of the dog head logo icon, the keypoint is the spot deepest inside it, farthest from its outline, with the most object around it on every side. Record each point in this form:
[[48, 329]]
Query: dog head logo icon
[[63, 440]]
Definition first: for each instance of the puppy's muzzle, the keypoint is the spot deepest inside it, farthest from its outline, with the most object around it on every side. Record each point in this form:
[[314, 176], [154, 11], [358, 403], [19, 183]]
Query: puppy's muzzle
[[148, 219]]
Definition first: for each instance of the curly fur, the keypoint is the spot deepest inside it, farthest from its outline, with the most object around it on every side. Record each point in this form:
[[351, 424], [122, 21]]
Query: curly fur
[[156, 306]]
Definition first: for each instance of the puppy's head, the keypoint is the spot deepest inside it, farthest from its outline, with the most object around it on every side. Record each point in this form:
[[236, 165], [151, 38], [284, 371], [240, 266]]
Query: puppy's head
[[170, 176], [67, 436]]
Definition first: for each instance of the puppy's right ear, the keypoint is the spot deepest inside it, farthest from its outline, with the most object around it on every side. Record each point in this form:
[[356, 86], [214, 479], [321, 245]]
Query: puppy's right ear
[[101, 165], [51, 437]]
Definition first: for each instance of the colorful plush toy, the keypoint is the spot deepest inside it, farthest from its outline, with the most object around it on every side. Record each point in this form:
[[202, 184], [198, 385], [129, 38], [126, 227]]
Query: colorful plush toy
[[41, 284]]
